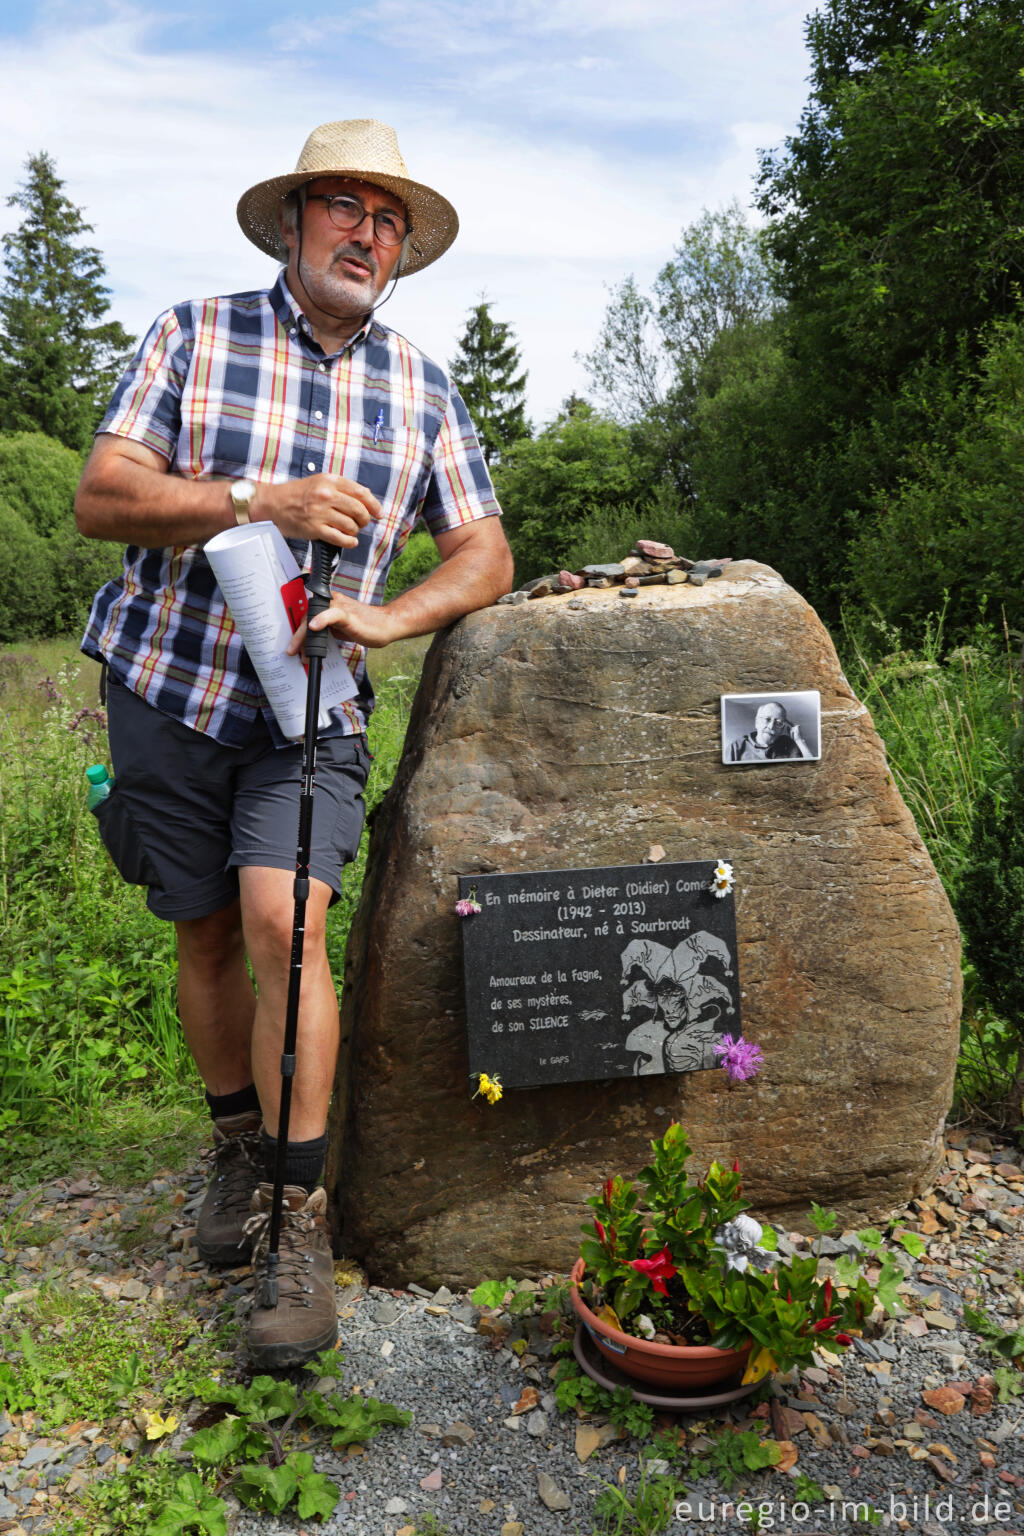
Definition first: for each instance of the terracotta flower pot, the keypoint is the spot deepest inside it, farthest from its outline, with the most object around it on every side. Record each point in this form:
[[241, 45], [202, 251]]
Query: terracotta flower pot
[[666, 1365]]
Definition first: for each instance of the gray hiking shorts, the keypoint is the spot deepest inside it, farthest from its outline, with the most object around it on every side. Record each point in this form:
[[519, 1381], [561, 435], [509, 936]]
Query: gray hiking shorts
[[185, 812]]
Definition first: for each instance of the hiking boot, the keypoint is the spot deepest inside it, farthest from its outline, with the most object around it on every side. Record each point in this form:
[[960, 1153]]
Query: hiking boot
[[304, 1317], [237, 1167]]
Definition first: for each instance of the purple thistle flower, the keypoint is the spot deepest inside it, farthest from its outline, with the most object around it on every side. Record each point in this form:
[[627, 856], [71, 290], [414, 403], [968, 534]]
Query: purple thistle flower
[[740, 1058]]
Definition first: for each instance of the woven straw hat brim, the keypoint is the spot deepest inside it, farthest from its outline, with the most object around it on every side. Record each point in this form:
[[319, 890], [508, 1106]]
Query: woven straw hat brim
[[434, 221]]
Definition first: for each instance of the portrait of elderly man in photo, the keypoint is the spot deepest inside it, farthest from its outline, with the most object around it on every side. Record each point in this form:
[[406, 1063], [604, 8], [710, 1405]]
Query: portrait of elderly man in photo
[[776, 735]]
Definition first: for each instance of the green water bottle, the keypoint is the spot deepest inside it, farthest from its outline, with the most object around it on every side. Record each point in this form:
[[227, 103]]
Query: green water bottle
[[100, 784]]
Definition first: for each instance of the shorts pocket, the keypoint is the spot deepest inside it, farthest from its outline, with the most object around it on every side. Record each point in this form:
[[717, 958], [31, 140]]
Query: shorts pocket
[[120, 837]]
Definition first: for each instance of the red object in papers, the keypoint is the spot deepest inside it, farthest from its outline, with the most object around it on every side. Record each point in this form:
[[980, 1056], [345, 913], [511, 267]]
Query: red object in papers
[[296, 602]]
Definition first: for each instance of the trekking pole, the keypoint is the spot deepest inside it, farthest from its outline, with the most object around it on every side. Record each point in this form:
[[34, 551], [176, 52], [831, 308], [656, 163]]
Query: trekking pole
[[316, 650]]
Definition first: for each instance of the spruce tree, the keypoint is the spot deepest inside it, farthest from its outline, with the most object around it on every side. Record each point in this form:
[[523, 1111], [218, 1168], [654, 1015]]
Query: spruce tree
[[59, 357], [485, 372]]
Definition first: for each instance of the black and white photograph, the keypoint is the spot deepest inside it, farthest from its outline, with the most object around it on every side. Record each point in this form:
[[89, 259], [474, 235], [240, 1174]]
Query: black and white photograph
[[771, 727]]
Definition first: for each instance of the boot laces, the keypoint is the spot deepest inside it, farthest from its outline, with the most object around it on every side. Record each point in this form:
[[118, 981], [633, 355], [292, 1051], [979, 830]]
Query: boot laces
[[294, 1258], [236, 1162]]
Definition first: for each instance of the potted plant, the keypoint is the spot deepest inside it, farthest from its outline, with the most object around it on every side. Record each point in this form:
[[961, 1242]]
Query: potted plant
[[677, 1285]]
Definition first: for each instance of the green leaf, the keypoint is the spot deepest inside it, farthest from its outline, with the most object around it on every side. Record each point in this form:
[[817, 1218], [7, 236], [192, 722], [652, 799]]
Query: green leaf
[[847, 1270], [491, 1293], [1009, 1382], [220, 1443], [890, 1276], [522, 1302], [355, 1419], [823, 1220], [769, 1240], [871, 1238], [194, 1508], [759, 1453], [326, 1363], [269, 1488], [914, 1245], [317, 1497]]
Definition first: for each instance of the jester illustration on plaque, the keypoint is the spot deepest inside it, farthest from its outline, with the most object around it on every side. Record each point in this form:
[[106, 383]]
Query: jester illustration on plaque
[[674, 1008]]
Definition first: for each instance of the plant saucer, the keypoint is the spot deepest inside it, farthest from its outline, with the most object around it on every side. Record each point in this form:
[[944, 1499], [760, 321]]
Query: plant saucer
[[611, 1378]]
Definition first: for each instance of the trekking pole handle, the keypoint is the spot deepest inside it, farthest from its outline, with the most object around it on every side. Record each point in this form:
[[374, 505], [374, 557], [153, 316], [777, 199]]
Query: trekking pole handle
[[319, 595]]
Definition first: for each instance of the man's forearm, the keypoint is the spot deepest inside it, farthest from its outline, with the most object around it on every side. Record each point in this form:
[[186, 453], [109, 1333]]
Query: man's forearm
[[127, 494], [469, 579], [130, 503], [476, 568]]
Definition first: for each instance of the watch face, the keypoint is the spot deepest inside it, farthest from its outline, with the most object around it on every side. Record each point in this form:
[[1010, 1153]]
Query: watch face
[[242, 492]]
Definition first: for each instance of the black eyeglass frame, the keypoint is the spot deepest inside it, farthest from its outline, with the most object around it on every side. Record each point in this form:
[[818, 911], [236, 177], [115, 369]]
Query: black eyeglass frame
[[330, 198]]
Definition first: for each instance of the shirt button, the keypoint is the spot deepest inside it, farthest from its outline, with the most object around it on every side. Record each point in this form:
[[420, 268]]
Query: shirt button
[[321, 367], [311, 466], [319, 415]]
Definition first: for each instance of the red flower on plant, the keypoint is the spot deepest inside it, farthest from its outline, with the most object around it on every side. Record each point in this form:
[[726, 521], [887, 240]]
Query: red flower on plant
[[843, 1338], [823, 1323], [828, 1291], [658, 1268], [599, 1229]]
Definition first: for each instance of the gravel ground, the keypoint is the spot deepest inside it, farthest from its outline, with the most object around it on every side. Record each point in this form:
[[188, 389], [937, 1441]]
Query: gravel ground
[[908, 1423]]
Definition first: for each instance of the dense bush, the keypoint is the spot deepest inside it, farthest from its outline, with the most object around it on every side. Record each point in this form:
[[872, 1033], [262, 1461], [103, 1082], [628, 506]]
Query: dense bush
[[580, 467], [26, 578], [990, 902], [953, 522], [48, 572], [39, 477]]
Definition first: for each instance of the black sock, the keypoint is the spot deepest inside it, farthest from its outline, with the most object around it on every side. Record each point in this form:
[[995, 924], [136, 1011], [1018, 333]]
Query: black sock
[[222, 1105], [303, 1163]]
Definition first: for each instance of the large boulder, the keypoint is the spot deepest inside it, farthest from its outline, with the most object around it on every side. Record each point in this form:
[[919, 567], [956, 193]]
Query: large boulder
[[575, 733]]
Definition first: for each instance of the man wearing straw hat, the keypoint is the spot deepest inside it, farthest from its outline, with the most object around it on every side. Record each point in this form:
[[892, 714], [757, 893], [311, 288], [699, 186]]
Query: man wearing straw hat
[[292, 404]]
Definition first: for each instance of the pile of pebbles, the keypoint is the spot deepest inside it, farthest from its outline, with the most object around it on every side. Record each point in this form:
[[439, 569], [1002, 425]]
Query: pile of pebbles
[[909, 1421], [649, 563]]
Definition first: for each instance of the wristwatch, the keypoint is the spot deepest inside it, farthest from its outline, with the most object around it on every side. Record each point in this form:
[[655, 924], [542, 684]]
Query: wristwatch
[[242, 493]]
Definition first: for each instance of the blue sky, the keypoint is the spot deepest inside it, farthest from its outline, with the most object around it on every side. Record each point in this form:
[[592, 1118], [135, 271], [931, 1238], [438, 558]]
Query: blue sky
[[576, 138]]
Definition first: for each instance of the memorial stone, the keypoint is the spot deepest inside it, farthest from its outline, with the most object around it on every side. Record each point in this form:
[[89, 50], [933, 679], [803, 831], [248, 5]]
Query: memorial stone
[[573, 734]]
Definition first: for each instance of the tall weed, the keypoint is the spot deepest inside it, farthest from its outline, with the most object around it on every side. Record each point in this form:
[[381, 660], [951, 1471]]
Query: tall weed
[[947, 719], [952, 722]]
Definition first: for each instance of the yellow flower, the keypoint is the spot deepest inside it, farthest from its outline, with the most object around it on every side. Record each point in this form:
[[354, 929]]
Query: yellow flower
[[759, 1364], [488, 1088], [157, 1427]]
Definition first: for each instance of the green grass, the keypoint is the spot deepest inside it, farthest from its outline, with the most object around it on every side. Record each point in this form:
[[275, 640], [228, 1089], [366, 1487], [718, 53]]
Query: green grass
[[124, 1505], [72, 1354]]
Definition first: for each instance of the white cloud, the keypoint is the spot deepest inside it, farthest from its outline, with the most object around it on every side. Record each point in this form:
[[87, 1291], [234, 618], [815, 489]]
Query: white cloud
[[566, 172]]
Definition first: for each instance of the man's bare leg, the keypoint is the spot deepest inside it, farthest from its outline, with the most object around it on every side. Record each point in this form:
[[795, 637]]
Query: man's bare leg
[[298, 1315], [216, 1002], [268, 908]]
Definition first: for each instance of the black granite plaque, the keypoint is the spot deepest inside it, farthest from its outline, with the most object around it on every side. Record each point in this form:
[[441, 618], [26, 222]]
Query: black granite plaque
[[576, 974]]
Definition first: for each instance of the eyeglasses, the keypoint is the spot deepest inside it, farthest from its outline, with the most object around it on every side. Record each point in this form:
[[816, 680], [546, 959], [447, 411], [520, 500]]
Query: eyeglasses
[[347, 212]]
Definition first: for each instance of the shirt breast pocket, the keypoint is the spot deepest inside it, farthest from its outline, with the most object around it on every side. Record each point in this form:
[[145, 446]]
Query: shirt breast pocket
[[394, 468]]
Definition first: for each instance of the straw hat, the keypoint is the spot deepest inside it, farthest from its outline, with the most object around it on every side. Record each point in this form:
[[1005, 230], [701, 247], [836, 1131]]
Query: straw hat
[[368, 151]]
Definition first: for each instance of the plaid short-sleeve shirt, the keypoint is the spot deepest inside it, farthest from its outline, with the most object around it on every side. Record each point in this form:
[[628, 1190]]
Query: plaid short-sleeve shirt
[[237, 388]]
